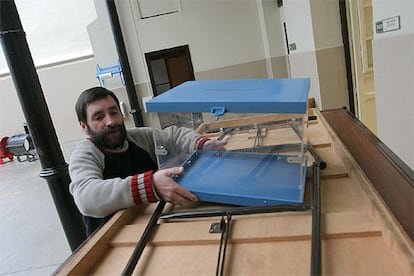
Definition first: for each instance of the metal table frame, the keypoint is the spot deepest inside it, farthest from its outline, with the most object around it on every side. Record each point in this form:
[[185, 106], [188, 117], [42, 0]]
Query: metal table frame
[[226, 215]]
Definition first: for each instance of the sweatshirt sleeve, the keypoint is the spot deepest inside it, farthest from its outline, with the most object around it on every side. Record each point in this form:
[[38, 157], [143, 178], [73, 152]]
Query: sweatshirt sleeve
[[178, 143], [180, 139], [98, 197], [142, 188]]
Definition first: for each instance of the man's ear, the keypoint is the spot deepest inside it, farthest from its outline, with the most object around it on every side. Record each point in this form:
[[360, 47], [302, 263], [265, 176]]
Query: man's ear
[[84, 127]]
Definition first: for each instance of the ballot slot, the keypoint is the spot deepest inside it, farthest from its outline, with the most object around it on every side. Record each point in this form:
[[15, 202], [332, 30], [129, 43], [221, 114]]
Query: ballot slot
[[263, 123]]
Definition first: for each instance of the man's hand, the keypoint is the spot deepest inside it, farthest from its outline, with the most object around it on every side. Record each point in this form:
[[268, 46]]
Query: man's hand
[[169, 190], [215, 145]]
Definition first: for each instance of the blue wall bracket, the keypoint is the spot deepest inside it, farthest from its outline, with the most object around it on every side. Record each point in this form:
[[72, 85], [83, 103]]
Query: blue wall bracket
[[109, 72]]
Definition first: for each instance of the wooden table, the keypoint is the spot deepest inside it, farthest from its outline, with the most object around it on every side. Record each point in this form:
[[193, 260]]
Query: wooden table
[[367, 222]]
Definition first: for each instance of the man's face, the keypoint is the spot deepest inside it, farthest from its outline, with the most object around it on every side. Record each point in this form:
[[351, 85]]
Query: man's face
[[105, 124]]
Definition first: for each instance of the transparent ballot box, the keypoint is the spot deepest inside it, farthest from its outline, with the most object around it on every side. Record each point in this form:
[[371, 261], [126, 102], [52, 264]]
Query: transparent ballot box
[[262, 122]]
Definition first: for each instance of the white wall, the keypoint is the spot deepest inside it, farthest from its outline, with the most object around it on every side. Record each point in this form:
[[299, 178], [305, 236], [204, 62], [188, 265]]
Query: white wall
[[299, 25], [382, 9], [297, 14], [326, 24], [61, 87], [219, 33], [128, 20], [103, 43], [393, 54], [274, 29]]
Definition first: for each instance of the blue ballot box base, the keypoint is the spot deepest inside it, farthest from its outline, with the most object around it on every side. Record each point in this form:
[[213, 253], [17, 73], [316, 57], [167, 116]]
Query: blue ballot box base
[[244, 178]]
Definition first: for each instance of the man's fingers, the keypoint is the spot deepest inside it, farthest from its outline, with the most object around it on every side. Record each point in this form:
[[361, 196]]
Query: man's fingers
[[174, 171], [184, 193], [224, 141], [180, 196], [171, 191]]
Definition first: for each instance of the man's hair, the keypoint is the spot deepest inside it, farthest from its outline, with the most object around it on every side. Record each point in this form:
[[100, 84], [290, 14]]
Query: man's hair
[[90, 96]]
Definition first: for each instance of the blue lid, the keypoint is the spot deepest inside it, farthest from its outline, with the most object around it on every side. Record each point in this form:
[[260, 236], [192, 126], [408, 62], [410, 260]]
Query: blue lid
[[237, 96]]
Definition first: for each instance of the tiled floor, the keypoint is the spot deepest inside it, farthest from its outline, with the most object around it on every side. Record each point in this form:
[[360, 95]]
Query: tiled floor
[[32, 241]]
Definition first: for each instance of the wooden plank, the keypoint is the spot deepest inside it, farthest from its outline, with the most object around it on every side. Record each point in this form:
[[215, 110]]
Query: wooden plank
[[96, 245], [391, 177], [394, 236], [341, 256], [254, 228], [112, 262], [335, 167], [317, 134], [243, 120], [246, 139]]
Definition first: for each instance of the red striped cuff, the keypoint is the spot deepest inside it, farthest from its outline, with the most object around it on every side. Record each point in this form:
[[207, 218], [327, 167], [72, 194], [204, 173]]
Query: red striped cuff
[[200, 142], [141, 188]]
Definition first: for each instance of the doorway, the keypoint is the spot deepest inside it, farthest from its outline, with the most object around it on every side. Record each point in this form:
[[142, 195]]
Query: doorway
[[361, 30], [169, 68]]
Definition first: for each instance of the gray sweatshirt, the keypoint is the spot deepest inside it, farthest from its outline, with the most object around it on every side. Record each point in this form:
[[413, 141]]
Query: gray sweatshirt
[[98, 197]]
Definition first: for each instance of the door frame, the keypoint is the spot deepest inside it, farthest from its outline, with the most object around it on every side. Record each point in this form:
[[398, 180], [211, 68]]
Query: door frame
[[348, 64], [362, 76], [167, 53]]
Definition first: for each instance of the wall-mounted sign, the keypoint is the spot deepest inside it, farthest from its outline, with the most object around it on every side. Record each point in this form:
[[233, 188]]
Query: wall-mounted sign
[[388, 25]]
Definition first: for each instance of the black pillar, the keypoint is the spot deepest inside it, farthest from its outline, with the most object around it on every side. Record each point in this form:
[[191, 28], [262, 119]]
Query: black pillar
[[26, 81], [123, 60]]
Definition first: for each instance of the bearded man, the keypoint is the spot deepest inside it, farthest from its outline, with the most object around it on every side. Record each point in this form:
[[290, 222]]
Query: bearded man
[[116, 168]]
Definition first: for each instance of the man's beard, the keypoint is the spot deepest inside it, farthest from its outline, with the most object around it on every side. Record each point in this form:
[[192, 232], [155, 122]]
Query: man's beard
[[102, 140]]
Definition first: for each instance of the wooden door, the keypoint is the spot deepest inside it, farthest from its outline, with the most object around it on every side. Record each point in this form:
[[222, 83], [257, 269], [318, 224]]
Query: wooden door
[[361, 35], [167, 69]]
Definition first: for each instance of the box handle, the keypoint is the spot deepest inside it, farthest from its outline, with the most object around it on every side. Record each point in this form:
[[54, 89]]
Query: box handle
[[218, 111]]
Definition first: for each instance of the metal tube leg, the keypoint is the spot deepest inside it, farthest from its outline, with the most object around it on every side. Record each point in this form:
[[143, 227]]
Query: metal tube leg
[[146, 236], [316, 223], [225, 225]]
